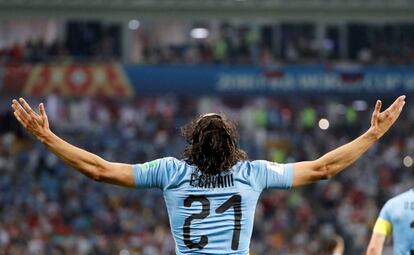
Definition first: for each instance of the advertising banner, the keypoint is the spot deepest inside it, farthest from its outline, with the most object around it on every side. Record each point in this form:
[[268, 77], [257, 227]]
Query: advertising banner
[[67, 80], [113, 80], [290, 80]]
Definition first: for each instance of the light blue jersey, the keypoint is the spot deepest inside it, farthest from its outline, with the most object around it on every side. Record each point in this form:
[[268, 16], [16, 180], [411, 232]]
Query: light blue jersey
[[212, 214], [399, 212]]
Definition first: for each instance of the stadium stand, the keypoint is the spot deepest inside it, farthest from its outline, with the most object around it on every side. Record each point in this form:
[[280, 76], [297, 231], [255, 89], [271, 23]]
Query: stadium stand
[[120, 77]]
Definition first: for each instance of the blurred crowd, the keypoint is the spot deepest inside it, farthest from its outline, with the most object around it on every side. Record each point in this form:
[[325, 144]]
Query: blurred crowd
[[246, 46], [32, 51], [37, 51], [229, 45], [244, 50], [48, 208]]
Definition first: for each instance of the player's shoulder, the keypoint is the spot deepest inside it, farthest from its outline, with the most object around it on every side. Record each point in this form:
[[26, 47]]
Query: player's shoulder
[[164, 163], [256, 168], [172, 160], [251, 164], [269, 165], [174, 165], [402, 197], [246, 167], [399, 199], [251, 167], [178, 171]]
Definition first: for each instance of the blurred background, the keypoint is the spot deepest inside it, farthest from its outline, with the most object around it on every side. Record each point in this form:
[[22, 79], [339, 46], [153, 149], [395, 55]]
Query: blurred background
[[120, 77]]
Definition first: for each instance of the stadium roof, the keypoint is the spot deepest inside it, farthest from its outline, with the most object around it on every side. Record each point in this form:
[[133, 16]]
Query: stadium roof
[[86, 8]]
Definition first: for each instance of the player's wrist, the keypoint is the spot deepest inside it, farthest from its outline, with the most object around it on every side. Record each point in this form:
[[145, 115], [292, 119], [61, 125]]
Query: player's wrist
[[46, 137], [373, 134]]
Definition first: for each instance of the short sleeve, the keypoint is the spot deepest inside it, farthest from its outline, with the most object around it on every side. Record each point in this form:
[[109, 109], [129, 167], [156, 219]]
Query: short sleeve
[[271, 175], [383, 223], [384, 214], [154, 174]]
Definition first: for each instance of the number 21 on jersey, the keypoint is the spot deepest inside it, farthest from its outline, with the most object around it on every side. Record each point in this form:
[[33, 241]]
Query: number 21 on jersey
[[234, 201]]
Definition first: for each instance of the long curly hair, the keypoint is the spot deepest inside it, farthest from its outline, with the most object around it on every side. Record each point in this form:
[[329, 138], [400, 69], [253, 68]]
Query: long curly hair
[[213, 143]]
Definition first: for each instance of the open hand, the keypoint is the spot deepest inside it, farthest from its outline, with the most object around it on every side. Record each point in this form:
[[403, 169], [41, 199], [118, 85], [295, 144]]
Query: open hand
[[382, 121], [35, 124]]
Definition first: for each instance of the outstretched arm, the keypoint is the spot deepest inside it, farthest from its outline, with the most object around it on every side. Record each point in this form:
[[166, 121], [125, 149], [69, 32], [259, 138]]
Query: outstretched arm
[[85, 162], [335, 161]]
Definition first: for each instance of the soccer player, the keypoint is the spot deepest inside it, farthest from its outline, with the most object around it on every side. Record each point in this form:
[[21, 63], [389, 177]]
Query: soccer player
[[396, 218], [211, 194]]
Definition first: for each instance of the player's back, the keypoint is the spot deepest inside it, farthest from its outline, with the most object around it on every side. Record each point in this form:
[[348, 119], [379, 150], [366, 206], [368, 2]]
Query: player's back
[[399, 211], [213, 214]]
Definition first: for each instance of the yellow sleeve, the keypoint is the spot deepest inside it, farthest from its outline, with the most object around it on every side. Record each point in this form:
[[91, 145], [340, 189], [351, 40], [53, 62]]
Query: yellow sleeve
[[383, 227]]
